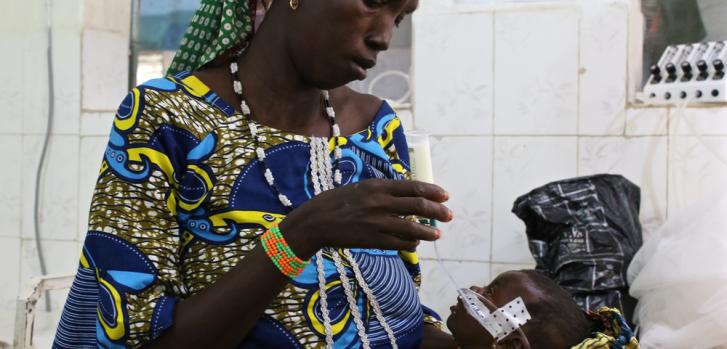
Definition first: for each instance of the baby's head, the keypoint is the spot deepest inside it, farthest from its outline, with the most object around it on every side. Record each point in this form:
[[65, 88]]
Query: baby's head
[[557, 321]]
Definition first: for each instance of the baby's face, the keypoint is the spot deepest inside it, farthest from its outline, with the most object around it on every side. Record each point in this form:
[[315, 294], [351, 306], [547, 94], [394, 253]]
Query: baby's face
[[466, 330]]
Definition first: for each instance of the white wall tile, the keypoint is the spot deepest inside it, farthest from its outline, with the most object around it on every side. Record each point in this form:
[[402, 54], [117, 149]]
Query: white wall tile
[[10, 258], [112, 16], [92, 149], [603, 59], [96, 124], [59, 187], [105, 70], [499, 268], [61, 257], [536, 72], [10, 179], [29, 44], [698, 121], [463, 167], [695, 173], [521, 165], [67, 16], [434, 6], [407, 118], [67, 82], [11, 90], [35, 78], [641, 160], [34, 15], [647, 121], [452, 73], [438, 293]]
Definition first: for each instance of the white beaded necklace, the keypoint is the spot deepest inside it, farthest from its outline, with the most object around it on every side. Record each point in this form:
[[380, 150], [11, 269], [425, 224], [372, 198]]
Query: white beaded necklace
[[323, 177]]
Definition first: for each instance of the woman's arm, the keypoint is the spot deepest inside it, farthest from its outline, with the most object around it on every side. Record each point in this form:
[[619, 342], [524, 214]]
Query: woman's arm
[[434, 338], [362, 215], [221, 315]]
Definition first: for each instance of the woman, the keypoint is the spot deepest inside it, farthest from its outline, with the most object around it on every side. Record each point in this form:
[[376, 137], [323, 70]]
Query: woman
[[206, 228]]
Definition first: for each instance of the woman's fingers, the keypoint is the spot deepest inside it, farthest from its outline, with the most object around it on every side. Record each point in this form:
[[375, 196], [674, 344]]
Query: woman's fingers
[[389, 233], [366, 215], [418, 206], [386, 241], [404, 198], [408, 230], [429, 191]]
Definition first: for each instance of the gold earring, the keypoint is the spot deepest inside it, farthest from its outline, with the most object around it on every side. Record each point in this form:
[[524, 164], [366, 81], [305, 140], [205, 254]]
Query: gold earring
[[294, 4]]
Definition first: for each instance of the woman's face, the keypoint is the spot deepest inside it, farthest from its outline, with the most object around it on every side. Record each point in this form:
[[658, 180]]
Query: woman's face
[[333, 42]]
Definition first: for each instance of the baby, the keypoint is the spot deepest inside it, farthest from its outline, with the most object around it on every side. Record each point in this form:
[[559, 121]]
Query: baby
[[557, 322]]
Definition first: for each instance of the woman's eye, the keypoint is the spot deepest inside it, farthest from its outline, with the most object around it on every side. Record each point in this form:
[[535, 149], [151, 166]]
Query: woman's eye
[[375, 3]]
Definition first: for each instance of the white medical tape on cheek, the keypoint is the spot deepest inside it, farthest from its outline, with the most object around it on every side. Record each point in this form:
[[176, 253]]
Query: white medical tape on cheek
[[510, 317], [500, 322], [476, 309]]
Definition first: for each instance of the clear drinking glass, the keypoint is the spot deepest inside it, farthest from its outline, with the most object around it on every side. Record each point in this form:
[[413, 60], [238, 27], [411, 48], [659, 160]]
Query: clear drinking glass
[[420, 155], [420, 161]]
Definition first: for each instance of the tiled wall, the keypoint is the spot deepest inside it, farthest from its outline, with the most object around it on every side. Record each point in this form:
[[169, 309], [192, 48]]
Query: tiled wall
[[91, 40], [520, 95], [516, 96]]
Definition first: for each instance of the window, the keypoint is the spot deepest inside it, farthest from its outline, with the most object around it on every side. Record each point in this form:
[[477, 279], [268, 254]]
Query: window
[[158, 27]]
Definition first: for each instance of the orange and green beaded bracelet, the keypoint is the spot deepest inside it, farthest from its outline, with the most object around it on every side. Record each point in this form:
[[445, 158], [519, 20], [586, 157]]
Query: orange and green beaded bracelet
[[281, 254]]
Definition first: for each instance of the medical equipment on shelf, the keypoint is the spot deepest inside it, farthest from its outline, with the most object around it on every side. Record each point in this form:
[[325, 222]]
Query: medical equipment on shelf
[[689, 71]]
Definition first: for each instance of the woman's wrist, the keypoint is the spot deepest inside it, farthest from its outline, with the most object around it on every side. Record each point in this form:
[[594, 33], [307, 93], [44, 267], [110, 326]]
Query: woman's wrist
[[302, 244]]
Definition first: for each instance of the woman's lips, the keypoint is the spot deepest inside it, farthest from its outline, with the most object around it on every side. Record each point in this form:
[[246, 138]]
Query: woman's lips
[[365, 63], [361, 65], [360, 70]]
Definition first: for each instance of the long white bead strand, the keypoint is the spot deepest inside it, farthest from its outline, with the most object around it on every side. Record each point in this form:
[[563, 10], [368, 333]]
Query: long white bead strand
[[324, 164], [259, 151], [372, 299], [315, 167], [323, 296], [335, 132], [351, 300]]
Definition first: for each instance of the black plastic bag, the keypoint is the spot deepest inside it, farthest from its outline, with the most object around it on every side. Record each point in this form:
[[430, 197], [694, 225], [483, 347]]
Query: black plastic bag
[[583, 233]]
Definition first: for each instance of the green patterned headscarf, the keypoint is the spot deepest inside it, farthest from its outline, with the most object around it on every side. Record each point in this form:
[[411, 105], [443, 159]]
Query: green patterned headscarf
[[217, 26]]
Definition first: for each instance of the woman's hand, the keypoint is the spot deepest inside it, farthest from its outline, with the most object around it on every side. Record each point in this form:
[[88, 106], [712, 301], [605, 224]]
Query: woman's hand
[[366, 215]]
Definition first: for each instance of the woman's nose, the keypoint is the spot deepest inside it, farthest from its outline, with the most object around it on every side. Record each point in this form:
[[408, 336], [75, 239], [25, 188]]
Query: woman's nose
[[379, 37], [378, 42]]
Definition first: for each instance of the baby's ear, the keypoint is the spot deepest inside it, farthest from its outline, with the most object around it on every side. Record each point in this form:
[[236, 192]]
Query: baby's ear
[[513, 341]]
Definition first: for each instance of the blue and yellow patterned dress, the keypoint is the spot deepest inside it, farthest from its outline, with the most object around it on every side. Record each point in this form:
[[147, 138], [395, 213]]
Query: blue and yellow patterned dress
[[181, 198]]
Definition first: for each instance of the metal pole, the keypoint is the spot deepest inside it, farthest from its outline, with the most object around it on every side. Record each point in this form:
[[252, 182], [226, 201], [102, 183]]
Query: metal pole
[[134, 41]]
